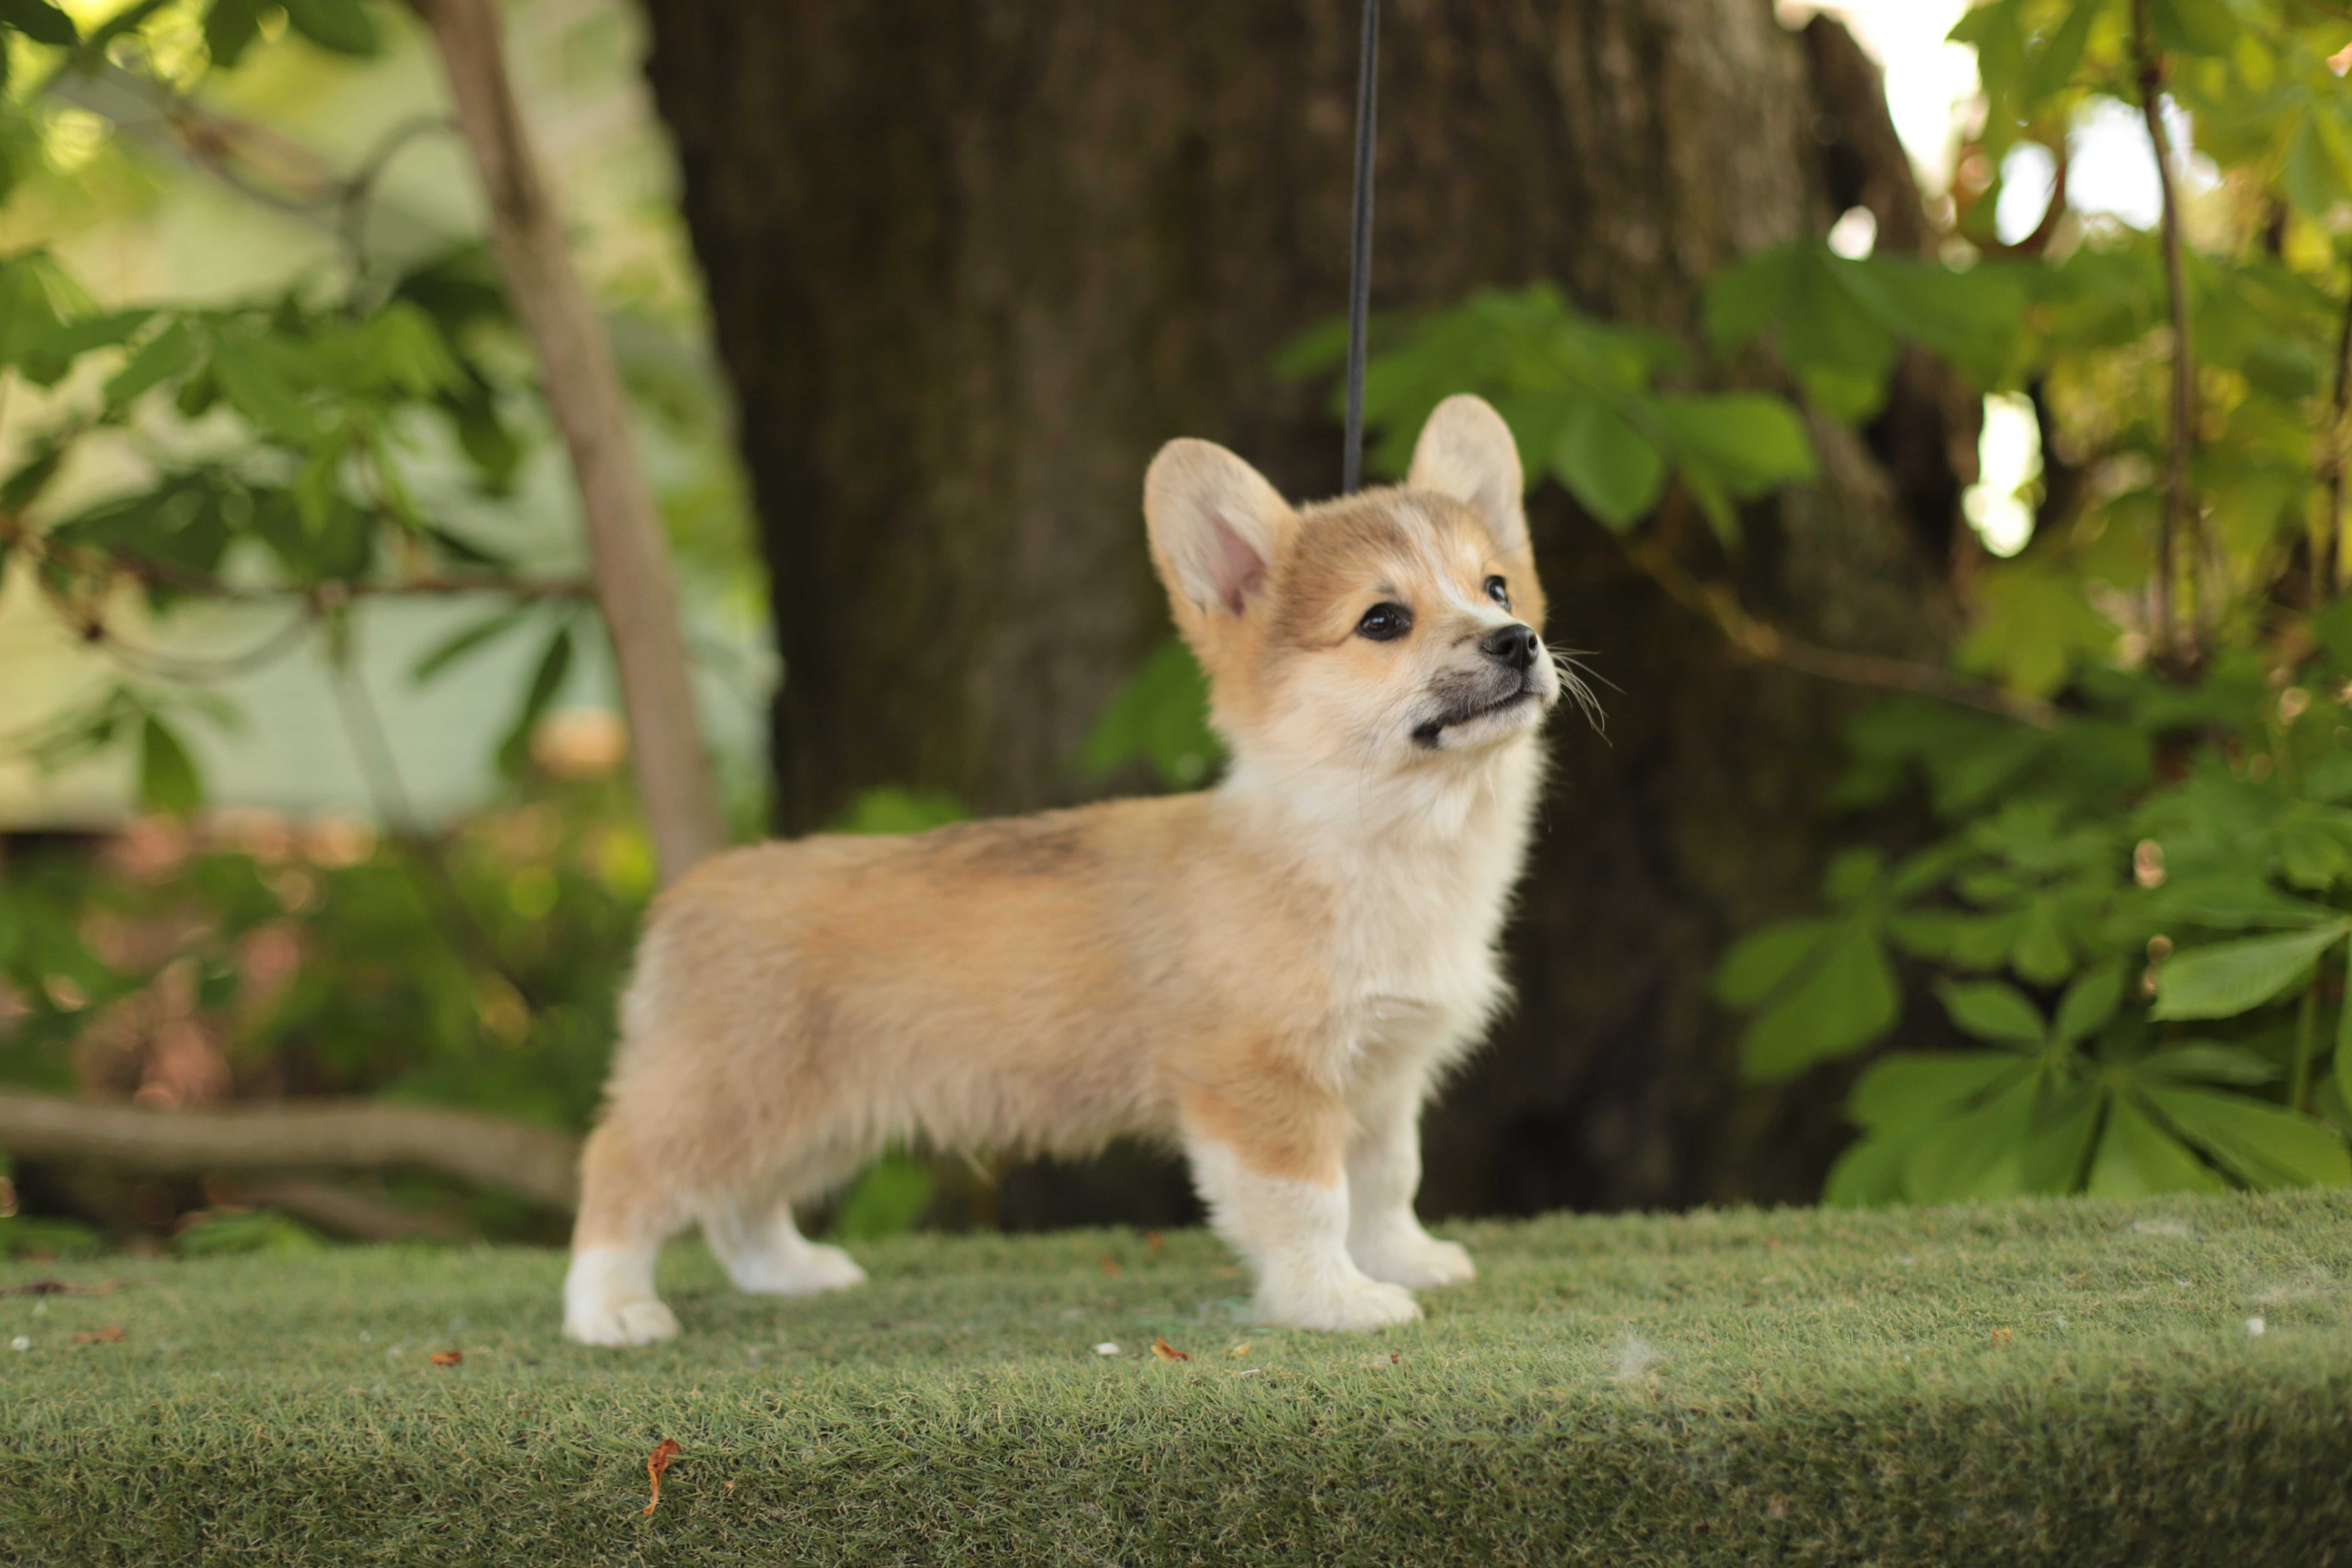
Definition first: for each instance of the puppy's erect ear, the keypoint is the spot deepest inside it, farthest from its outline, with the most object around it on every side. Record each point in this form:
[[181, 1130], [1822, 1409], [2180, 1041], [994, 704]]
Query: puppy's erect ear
[[1466, 452], [1215, 522]]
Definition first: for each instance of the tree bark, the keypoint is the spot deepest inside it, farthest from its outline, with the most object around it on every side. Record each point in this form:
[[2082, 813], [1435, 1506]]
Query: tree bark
[[635, 586], [971, 265]]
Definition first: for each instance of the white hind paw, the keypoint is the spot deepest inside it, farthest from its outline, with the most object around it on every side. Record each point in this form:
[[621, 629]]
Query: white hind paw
[[803, 1270], [637, 1321]]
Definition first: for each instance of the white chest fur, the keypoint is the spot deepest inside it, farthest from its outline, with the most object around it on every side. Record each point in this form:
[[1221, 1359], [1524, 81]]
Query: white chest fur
[[1420, 872]]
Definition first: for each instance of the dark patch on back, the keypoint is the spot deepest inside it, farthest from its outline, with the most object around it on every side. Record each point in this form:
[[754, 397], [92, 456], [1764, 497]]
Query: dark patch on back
[[1044, 845]]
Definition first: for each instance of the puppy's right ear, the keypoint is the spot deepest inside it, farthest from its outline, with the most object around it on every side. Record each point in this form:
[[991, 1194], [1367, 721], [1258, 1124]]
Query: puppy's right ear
[[1214, 524]]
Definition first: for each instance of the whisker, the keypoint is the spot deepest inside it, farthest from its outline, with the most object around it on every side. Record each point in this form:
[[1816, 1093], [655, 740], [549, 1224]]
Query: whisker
[[1568, 661]]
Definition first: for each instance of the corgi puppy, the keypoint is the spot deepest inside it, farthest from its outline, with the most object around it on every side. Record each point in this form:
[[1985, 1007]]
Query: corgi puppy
[[1271, 975]]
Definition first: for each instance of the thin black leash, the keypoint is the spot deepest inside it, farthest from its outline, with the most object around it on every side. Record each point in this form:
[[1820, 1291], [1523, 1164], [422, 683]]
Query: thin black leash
[[1360, 262]]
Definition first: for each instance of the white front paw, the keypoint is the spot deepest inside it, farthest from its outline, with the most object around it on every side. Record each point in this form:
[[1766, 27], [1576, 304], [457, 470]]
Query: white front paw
[[1414, 1258], [1352, 1306], [637, 1321]]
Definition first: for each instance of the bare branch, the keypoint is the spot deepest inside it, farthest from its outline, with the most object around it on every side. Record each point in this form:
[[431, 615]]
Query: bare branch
[[2180, 528], [2327, 549], [534, 1163], [349, 1211], [1769, 645], [635, 584]]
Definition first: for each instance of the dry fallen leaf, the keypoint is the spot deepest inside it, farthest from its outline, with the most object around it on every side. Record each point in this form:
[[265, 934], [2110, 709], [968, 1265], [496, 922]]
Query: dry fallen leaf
[[1394, 1358], [111, 1334], [1166, 1352], [2002, 1336], [1110, 1263], [447, 1358], [656, 1463], [1153, 1242], [1240, 1350]]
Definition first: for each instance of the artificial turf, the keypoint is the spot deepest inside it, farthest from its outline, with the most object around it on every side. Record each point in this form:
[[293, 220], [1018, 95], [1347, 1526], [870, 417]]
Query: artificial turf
[[2072, 1381]]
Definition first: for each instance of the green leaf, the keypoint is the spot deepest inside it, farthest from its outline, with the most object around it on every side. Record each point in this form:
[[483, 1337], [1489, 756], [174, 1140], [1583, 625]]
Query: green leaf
[[546, 681], [888, 808], [164, 357], [1977, 1154], [32, 477], [253, 380], [2232, 902], [2057, 1151], [2135, 1158], [2089, 1003], [1743, 297], [48, 356], [2314, 844], [1614, 471], [41, 22], [1761, 961], [2233, 977], [2264, 1145], [2343, 1036], [1851, 874], [1975, 942], [1747, 443], [230, 28], [2034, 625], [262, 1231], [2204, 1061], [2041, 952], [1160, 716], [1847, 999], [168, 781], [342, 26], [450, 649], [886, 1200], [1913, 1088], [1870, 1172], [1993, 1010], [2051, 67], [2192, 27]]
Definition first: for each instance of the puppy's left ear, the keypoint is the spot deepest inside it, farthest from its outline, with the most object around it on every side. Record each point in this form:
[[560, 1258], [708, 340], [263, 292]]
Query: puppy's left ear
[[1466, 452]]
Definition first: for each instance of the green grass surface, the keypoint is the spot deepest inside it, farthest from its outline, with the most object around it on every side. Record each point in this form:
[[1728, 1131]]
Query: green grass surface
[[2071, 1382]]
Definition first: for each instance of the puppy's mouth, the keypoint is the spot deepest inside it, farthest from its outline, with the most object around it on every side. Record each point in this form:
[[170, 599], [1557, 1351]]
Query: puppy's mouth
[[1430, 736]]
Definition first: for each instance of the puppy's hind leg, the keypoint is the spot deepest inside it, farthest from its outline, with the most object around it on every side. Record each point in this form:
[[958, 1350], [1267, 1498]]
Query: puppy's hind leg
[[765, 1253], [627, 1212]]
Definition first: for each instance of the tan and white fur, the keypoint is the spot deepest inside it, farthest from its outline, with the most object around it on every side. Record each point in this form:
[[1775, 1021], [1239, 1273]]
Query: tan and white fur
[[1272, 974]]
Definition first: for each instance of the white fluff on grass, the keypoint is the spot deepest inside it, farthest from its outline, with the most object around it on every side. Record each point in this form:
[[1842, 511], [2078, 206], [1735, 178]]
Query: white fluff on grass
[[1635, 1356]]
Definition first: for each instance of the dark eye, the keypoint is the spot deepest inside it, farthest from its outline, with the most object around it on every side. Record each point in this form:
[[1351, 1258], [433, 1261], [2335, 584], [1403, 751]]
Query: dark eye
[[1385, 623], [1499, 591]]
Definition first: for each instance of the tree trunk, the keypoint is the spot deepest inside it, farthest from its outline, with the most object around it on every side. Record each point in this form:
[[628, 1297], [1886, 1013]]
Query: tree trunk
[[971, 265]]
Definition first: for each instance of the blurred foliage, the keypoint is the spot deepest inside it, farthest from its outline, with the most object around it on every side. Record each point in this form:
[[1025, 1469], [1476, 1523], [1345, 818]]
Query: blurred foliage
[[476, 969], [1584, 399], [2140, 914], [2138, 908], [2139, 911], [2200, 798]]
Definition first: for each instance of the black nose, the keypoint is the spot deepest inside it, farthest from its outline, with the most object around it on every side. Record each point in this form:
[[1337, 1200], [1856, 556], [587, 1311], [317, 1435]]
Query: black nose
[[1514, 645]]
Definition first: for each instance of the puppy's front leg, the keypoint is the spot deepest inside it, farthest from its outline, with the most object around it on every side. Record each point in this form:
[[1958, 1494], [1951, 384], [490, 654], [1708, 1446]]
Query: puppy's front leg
[[1270, 1166], [1384, 1236]]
